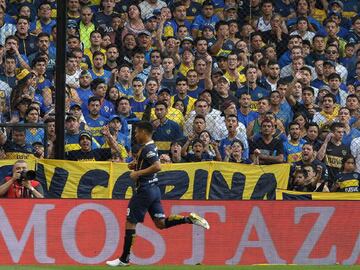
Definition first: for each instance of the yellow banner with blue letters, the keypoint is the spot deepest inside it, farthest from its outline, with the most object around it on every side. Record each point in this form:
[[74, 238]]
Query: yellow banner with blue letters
[[192, 181]]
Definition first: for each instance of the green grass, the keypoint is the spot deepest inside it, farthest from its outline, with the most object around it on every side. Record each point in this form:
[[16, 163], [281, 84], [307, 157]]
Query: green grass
[[186, 267]]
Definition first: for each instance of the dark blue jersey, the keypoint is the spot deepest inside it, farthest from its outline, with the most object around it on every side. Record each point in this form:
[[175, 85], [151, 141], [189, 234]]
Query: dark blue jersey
[[348, 182], [147, 156]]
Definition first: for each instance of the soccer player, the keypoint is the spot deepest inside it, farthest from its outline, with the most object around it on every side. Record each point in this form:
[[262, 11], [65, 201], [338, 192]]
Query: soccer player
[[147, 196]]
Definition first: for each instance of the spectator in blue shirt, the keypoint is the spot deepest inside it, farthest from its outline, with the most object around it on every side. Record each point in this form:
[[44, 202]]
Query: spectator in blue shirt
[[166, 130], [256, 92], [207, 17]]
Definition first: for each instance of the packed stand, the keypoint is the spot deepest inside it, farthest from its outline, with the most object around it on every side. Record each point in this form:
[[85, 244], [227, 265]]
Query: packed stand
[[253, 82]]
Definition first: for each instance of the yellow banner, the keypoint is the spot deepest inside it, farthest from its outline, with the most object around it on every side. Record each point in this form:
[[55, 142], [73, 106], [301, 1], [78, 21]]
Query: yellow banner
[[318, 196], [199, 181]]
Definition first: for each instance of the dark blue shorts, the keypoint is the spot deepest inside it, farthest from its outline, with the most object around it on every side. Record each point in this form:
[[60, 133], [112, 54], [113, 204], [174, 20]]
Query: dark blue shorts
[[146, 199]]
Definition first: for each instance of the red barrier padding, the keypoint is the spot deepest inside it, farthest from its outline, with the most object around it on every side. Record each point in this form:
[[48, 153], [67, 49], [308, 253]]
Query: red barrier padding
[[242, 232]]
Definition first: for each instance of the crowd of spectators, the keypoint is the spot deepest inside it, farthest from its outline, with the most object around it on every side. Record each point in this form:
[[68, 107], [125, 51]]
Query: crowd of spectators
[[256, 82]]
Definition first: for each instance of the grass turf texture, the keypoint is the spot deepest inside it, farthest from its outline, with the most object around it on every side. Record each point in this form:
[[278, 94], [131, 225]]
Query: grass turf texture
[[186, 267]]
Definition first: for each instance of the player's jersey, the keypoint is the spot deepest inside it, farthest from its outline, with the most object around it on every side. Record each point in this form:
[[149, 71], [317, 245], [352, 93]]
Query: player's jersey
[[348, 182], [148, 155]]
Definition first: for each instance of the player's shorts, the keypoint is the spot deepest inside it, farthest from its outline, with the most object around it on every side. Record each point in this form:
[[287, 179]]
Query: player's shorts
[[146, 199]]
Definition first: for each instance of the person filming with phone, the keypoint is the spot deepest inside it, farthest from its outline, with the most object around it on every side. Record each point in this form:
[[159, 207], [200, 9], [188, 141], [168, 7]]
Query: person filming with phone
[[21, 184]]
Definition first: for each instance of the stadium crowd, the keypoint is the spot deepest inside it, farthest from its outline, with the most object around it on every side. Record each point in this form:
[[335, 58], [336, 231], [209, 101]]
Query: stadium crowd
[[254, 82]]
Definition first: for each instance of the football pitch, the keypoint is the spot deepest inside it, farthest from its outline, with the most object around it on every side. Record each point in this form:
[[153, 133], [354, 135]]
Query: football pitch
[[186, 267]]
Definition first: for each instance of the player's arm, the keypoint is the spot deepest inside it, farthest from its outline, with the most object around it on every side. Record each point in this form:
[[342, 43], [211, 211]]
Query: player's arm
[[154, 168]]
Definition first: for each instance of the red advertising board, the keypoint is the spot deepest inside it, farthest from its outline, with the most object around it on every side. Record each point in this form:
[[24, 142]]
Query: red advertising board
[[242, 232]]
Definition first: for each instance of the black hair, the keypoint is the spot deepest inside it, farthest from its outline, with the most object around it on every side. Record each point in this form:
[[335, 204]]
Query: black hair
[[346, 158], [92, 99], [312, 124], [197, 141], [145, 126], [329, 95], [161, 103], [293, 123]]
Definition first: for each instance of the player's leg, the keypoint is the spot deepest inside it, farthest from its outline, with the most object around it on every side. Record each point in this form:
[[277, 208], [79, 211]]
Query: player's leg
[[137, 209], [174, 220], [162, 222], [130, 234]]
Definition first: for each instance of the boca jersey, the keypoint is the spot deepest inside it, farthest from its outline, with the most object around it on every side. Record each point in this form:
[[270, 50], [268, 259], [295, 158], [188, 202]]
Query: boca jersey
[[147, 156], [72, 142], [333, 158], [15, 151], [95, 127], [348, 182], [138, 106], [166, 133], [292, 152]]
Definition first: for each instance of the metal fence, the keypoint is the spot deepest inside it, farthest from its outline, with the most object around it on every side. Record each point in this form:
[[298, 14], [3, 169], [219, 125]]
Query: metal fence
[[119, 59]]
